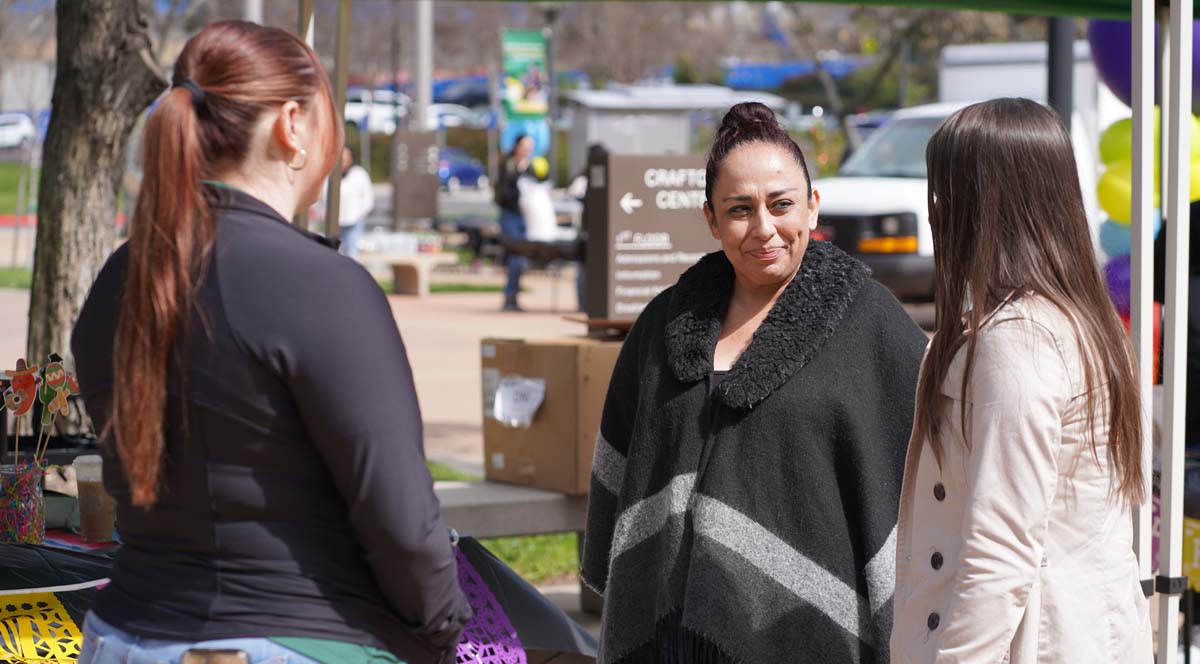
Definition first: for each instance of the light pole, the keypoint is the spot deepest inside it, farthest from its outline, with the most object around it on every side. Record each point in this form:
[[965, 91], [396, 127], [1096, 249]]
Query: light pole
[[1061, 66], [424, 77], [551, 11], [252, 10]]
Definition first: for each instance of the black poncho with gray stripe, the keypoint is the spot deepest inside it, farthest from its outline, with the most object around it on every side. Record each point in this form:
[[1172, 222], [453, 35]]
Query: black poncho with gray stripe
[[755, 521]]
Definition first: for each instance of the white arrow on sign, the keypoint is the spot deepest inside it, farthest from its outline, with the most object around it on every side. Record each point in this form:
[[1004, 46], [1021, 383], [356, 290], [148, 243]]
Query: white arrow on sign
[[629, 203]]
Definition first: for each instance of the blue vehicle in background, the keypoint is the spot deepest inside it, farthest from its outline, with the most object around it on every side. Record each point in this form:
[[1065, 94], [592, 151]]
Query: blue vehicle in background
[[457, 169]]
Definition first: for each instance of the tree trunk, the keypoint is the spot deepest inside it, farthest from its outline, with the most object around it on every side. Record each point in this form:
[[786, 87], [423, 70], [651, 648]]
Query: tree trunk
[[106, 76]]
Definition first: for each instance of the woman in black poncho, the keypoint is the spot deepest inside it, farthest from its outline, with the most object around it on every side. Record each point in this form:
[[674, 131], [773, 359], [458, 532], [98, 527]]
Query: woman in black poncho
[[745, 485]]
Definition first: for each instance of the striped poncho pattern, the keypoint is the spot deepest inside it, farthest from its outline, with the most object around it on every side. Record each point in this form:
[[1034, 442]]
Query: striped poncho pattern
[[751, 517]]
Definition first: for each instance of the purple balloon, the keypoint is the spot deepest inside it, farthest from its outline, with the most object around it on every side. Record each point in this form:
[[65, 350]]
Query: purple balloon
[[1112, 53], [1117, 275]]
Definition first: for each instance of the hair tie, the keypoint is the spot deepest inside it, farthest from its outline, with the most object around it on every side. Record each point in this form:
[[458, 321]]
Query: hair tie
[[192, 87]]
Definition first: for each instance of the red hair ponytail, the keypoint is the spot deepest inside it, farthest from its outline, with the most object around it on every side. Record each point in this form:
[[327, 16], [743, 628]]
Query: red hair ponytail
[[171, 233], [236, 71]]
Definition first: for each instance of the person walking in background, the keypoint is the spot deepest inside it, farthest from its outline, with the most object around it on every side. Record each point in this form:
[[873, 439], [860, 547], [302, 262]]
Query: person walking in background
[[512, 222], [268, 504], [1014, 540], [746, 476], [357, 202]]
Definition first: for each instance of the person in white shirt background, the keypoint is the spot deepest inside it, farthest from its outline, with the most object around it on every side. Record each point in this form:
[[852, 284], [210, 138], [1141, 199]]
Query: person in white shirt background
[[358, 200]]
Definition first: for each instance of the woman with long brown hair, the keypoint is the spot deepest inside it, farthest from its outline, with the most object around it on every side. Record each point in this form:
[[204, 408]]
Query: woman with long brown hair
[[271, 490], [1015, 538]]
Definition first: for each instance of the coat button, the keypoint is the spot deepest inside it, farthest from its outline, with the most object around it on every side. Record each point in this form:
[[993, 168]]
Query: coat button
[[934, 621], [936, 560], [939, 492]]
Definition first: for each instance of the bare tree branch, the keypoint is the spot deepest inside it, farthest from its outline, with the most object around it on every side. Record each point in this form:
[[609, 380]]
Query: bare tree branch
[[177, 13], [907, 32]]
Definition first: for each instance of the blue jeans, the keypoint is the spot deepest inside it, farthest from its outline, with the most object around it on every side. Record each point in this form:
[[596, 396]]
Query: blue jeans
[[350, 235], [105, 644], [512, 227]]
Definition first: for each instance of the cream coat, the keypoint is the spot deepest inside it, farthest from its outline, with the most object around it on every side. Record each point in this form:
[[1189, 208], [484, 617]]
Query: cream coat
[[1016, 549]]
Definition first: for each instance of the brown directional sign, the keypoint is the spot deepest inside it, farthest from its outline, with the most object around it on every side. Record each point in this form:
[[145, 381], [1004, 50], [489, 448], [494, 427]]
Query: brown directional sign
[[414, 176], [645, 223]]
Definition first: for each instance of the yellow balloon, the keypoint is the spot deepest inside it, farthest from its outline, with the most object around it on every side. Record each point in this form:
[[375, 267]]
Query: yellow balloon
[[1195, 182], [1115, 190], [1195, 138], [1116, 142], [1115, 193], [541, 167]]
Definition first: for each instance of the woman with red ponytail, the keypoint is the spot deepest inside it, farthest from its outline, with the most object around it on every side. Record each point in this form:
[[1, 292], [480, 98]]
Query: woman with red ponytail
[[272, 496]]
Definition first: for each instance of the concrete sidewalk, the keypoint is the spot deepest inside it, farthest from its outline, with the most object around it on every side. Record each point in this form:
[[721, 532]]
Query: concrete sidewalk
[[442, 334]]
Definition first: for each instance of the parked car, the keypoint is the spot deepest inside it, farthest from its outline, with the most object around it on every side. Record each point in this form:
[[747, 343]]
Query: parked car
[[457, 169], [465, 92], [442, 116], [868, 123], [16, 129], [382, 110], [877, 209]]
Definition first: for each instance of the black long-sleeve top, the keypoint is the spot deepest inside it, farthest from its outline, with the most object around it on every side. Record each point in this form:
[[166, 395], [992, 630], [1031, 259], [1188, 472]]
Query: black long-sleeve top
[[508, 195], [294, 500]]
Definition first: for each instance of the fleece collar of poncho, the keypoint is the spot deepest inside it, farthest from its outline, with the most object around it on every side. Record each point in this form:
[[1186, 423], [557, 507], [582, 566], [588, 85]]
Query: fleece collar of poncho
[[803, 319]]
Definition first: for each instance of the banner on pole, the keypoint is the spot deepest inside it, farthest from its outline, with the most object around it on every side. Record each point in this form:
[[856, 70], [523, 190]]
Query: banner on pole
[[526, 84]]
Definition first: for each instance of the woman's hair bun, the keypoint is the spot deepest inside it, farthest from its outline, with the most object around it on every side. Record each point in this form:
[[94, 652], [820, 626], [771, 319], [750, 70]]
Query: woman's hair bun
[[748, 114], [749, 122]]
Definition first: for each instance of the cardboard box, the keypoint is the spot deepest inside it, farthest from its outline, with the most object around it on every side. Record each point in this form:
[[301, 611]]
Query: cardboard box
[[555, 451]]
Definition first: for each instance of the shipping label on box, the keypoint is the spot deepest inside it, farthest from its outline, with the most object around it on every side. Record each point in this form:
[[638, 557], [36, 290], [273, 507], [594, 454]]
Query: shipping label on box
[[517, 401]]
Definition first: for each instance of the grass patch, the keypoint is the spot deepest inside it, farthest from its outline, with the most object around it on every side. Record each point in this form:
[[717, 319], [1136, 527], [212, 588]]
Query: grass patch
[[465, 288], [16, 277], [449, 288], [442, 472], [8, 187], [537, 558], [9, 179]]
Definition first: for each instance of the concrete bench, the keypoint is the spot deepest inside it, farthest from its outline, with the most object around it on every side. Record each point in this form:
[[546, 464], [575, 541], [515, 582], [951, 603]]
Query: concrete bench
[[410, 272], [491, 509]]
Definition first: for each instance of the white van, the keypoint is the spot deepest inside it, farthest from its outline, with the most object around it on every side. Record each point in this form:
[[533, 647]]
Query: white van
[[876, 207]]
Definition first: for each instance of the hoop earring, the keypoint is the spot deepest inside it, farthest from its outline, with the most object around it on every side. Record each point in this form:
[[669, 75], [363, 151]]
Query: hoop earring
[[304, 155]]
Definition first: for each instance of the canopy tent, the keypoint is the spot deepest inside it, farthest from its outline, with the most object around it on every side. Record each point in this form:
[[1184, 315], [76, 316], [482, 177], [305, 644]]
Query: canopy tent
[[1080, 8], [1176, 100], [1176, 89], [1119, 9]]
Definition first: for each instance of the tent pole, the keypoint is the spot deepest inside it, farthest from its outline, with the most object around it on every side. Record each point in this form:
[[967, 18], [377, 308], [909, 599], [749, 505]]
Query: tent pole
[[1175, 199], [1142, 265]]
